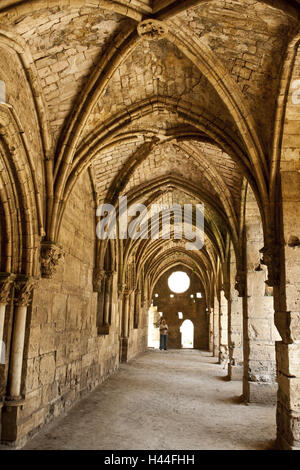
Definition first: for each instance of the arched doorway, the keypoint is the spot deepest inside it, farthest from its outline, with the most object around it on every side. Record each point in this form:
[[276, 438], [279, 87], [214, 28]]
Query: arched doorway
[[187, 334]]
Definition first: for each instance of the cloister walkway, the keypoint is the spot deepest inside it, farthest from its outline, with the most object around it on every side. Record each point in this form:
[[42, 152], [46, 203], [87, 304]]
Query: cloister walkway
[[163, 400]]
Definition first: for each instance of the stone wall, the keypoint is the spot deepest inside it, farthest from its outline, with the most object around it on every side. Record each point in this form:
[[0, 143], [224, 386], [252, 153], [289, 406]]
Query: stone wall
[[193, 309], [64, 356], [287, 295], [138, 337]]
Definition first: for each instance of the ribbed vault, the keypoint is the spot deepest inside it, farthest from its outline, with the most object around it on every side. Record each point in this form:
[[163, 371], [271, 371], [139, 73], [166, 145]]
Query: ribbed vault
[[169, 103]]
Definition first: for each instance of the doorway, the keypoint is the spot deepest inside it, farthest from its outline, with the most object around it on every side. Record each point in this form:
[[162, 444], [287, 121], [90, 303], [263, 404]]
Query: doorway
[[187, 334]]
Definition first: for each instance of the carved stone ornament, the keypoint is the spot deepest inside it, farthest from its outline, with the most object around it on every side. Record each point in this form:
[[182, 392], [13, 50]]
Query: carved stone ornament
[[122, 289], [6, 280], [51, 254], [226, 288], [23, 290], [98, 276], [270, 259], [152, 29]]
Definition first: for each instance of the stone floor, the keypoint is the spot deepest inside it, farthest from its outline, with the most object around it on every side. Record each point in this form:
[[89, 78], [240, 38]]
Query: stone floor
[[163, 400]]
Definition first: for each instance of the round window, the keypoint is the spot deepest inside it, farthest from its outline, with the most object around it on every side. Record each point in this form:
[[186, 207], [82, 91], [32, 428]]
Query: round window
[[179, 282]]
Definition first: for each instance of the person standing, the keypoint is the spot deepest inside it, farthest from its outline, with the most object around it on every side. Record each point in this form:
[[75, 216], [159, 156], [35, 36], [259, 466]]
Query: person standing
[[163, 329]]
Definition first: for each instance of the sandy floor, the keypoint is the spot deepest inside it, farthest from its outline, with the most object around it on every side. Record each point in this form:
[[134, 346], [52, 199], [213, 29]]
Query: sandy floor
[[163, 400]]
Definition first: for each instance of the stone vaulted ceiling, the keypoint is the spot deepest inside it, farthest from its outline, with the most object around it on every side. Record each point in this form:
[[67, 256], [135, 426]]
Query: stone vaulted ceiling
[[180, 107]]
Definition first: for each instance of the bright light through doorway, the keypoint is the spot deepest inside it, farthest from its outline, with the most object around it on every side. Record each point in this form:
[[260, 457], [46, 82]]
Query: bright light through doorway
[[179, 282], [187, 334]]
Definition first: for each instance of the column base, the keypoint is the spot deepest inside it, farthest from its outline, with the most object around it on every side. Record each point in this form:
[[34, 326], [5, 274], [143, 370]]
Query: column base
[[260, 392], [9, 425], [235, 372]]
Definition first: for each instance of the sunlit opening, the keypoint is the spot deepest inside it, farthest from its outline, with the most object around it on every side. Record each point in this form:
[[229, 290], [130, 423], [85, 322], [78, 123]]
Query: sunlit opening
[[187, 334], [179, 282], [153, 327]]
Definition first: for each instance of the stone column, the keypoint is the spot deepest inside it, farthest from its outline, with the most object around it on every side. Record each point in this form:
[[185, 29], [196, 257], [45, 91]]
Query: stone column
[[235, 321], [114, 313], [223, 327], [23, 291], [2, 318], [11, 413], [259, 343], [107, 301], [126, 315], [137, 308], [211, 329], [6, 280], [216, 346], [124, 326], [259, 384], [98, 286]]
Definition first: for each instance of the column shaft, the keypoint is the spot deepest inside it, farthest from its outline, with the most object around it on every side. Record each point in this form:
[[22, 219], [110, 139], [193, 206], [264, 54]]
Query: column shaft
[[17, 351]]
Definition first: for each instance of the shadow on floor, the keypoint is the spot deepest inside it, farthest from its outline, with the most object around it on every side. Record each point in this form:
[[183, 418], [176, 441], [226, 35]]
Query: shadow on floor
[[223, 378], [237, 400]]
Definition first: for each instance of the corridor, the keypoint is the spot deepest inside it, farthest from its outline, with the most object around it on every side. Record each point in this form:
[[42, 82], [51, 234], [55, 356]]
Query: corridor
[[179, 399]]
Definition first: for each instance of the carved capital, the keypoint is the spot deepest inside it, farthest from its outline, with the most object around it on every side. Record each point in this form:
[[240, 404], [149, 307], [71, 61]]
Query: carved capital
[[6, 280], [240, 283], [152, 29], [122, 289], [51, 254], [23, 290], [109, 275], [98, 276], [270, 259], [226, 289]]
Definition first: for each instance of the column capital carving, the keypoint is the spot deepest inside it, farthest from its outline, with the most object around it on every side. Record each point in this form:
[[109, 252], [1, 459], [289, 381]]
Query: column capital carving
[[51, 254], [98, 276], [226, 289], [6, 280], [109, 275], [240, 283], [23, 290], [122, 289], [270, 259]]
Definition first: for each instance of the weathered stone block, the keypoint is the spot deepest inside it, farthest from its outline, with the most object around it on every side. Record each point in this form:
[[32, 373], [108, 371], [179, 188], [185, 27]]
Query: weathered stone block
[[47, 339], [262, 392], [47, 369]]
